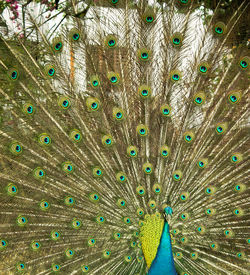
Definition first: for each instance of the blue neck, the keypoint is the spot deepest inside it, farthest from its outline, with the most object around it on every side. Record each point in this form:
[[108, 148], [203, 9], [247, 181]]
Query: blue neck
[[163, 264]]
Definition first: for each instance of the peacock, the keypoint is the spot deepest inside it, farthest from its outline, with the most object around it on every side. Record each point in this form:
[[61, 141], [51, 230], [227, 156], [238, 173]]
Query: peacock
[[124, 142]]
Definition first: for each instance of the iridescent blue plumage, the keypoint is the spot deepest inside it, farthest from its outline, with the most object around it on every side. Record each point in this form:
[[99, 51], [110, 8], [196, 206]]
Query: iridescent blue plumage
[[164, 262]]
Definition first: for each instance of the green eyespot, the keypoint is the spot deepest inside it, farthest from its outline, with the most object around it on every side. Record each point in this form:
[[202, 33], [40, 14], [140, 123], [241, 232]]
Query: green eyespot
[[85, 268], [142, 130], [68, 167], [97, 172], [238, 212], [165, 110], [184, 196], [144, 91], [221, 128], [140, 212], [184, 216], [69, 253], [202, 163], [35, 245], [106, 254], [177, 175], [55, 267], [91, 242], [64, 102], [157, 188], [93, 104], [44, 139], [11, 189], [114, 2], [175, 76], [21, 220], [214, 246], [121, 203], [144, 54], [13, 74], [164, 151], [241, 255], [236, 158], [3, 244], [100, 220], [69, 201], [110, 41], [113, 77], [140, 190], [147, 168], [75, 135], [127, 220], [44, 205], [121, 177], [199, 98], [107, 140], [118, 114], [55, 235], [177, 39], [189, 136], [20, 266], [234, 97], [149, 16], [117, 236], [94, 197], [76, 223], [244, 63], [94, 81], [128, 259], [203, 68], [210, 211], [179, 255], [194, 255], [152, 204], [132, 151], [228, 233], [210, 190], [57, 44], [74, 35], [201, 229], [50, 70], [239, 188], [28, 109], [16, 148], [219, 29]]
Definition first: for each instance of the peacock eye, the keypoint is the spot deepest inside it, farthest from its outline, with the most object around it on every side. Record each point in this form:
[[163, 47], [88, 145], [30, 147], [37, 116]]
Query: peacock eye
[[176, 77], [58, 46], [218, 30], [149, 19], [51, 72], [111, 43], [113, 79], [144, 55], [243, 64], [76, 36], [176, 41], [203, 69], [14, 75], [95, 83], [119, 115]]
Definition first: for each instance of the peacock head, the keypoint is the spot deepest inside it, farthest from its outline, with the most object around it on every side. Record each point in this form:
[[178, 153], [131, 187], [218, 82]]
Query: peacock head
[[167, 211]]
